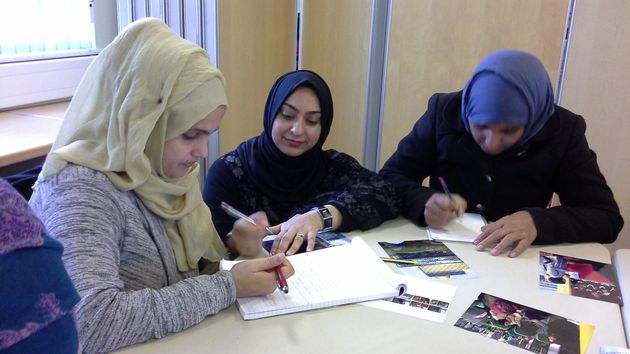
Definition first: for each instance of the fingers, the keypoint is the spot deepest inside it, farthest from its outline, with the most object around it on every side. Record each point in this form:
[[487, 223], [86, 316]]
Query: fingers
[[439, 210], [502, 235], [260, 217], [298, 240], [275, 229], [520, 248], [311, 238], [460, 204], [268, 263], [441, 202], [300, 230]]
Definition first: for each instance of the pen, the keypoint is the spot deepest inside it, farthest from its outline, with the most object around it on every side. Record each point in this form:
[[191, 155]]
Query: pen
[[404, 261], [448, 193], [233, 212], [282, 281], [445, 188]]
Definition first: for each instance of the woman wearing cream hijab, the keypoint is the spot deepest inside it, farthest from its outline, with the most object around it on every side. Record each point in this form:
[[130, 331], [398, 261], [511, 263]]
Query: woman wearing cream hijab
[[119, 190]]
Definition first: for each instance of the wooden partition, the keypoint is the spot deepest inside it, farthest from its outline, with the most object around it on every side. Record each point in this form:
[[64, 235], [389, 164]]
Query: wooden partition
[[256, 46], [335, 44], [597, 86], [434, 46]]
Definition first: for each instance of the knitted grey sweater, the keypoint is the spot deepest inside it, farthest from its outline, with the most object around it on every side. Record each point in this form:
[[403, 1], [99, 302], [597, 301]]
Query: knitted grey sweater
[[120, 260]]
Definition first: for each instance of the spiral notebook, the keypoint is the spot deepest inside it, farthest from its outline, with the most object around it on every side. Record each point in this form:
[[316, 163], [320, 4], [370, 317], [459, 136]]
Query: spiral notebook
[[325, 278]]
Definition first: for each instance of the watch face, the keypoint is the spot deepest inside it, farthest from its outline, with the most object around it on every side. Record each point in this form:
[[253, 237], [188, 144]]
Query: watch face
[[327, 217]]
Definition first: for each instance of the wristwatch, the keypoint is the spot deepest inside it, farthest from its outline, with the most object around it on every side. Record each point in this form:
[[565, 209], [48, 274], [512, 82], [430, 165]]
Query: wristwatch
[[326, 217]]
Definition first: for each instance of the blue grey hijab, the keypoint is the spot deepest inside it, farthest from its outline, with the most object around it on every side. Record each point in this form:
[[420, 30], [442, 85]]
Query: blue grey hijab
[[509, 86]]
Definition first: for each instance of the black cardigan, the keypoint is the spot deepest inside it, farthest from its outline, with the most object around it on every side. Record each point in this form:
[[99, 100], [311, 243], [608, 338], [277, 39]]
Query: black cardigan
[[558, 159]]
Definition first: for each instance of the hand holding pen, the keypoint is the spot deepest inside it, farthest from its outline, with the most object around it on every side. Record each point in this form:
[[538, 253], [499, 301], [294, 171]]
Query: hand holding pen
[[440, 209], [282, 283]]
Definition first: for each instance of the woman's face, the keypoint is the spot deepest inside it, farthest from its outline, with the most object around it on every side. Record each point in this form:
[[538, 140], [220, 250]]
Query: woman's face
[[182, 152], [493, 139], [297, 126]]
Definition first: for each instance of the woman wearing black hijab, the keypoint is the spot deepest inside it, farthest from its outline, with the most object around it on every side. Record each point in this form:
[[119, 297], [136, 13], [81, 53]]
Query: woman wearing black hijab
[[284, 180]]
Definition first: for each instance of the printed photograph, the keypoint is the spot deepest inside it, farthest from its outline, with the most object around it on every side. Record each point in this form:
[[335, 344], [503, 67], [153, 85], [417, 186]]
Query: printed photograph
[[525, 327], [419, 301], [324, 240], [434, 259], [579, 277]]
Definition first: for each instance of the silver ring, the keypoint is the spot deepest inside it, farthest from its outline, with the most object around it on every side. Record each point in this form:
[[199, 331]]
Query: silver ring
[[301, 235]]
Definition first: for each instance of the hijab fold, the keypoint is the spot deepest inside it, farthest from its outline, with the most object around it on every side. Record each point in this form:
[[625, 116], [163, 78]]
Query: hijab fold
[[148, 86], [509, 86], [288, 179]]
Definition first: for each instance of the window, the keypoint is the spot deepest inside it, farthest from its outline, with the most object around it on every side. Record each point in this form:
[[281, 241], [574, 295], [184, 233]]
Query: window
[[46, 45], [41, 29]]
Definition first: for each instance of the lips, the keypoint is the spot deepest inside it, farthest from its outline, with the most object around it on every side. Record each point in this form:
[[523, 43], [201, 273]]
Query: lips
[[293, 143]]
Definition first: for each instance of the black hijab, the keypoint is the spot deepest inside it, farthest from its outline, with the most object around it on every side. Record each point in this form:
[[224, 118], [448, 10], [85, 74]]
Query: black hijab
[[283, 178]]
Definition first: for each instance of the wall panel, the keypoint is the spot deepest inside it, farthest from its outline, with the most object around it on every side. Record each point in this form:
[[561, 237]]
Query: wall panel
[[597, 86], [256, 46], [434, 46], [335, 44]]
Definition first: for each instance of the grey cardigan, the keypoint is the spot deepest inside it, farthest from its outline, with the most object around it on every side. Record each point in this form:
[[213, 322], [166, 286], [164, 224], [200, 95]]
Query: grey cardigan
[[121, 262]]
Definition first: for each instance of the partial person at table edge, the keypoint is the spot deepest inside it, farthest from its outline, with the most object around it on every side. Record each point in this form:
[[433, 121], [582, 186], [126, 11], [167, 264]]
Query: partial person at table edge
[[38, 297], [504, 148]]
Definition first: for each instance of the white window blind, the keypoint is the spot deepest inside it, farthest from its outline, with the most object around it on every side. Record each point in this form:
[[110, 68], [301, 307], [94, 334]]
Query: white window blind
[[36, 29]]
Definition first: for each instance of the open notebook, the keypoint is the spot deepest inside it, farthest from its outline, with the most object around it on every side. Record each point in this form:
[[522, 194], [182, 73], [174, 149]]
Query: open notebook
[[324, 278], [463, 229]]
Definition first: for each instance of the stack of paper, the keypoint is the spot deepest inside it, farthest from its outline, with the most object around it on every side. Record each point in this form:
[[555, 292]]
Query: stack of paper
[[463, 229]]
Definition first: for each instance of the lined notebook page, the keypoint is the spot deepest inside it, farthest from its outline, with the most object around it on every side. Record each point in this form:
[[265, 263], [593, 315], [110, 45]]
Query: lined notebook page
[[328, 277], [463, 229]]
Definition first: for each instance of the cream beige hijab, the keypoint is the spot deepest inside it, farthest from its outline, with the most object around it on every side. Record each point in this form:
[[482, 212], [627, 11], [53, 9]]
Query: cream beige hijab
[[148, 86]]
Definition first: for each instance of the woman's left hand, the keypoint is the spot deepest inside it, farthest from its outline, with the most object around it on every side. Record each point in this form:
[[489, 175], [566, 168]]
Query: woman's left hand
[[517, 230], [295, 231]]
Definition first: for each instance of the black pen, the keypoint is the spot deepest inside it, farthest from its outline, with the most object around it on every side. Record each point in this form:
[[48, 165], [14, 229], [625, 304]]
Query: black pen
[[445, 188], [448, 192]]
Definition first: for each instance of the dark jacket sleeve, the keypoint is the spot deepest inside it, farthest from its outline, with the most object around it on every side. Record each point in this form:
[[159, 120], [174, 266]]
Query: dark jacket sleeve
[[221, 185], [588, 211], [414, 160], [364, 198]]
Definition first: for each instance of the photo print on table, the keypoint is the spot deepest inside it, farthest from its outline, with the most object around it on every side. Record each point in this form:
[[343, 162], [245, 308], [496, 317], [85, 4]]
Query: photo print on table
[[578, 277], [525, 327], [433, 259]]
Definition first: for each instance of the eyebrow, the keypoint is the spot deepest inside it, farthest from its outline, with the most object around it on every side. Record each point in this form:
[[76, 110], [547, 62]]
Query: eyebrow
[[203, 131], [295, 108]]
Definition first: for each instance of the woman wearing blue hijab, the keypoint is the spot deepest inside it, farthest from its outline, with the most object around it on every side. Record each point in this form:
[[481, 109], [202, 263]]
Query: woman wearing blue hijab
[[284, 180], [504, 148]]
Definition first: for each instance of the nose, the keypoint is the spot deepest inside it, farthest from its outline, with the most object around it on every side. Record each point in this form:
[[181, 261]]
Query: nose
[[200, 149], [297, 128], [492, 142]]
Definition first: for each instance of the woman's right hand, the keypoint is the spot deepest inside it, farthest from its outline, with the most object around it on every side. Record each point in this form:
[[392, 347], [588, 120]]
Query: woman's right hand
[[440, 209], [246, 238], [257, 277]]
